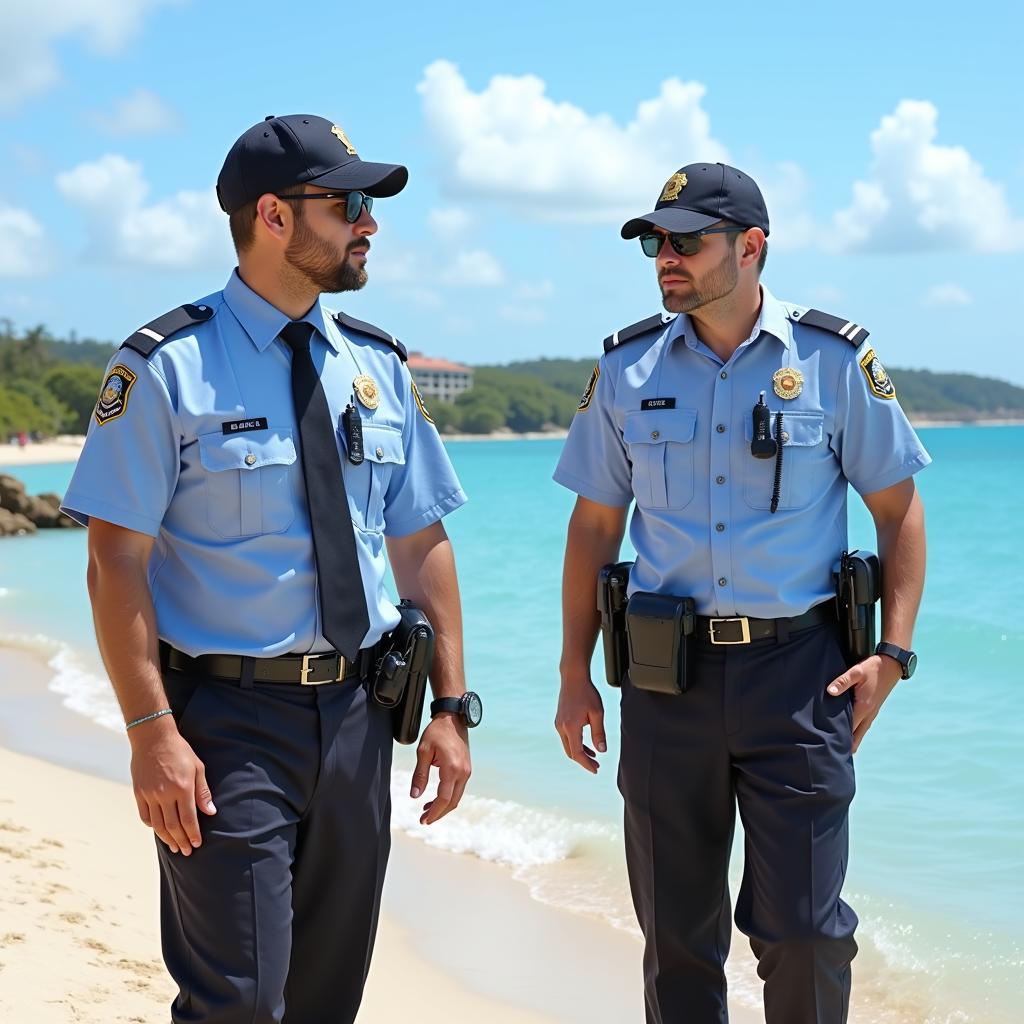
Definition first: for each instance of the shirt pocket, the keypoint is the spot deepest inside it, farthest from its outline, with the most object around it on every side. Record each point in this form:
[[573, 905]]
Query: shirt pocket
[[367, 483], [249, 482], [803, 451], [660, 446]]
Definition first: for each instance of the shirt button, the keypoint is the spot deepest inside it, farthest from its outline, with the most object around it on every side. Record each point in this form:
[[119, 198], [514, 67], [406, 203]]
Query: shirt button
[[720, 428], [655, 434], [380, 453], [722, 581], [720, 527], [719, 479], [250, 459], [724, 374]]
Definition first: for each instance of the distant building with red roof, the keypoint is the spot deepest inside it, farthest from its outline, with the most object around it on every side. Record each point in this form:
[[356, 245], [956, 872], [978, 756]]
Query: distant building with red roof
[[439, 378]]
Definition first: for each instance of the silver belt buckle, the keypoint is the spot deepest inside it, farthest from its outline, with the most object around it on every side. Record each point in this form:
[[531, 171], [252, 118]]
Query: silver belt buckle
[[744, 626], [306, 669]]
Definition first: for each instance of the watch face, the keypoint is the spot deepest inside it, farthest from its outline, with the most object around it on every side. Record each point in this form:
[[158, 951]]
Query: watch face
[[911, 665], [473, 709]]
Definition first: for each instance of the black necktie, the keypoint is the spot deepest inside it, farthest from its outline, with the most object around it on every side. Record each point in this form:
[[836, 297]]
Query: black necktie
[[342, 601]]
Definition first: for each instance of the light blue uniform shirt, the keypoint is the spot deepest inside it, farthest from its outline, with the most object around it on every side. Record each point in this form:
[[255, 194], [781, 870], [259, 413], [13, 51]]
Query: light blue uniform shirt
[[233, 569], [702, 526]]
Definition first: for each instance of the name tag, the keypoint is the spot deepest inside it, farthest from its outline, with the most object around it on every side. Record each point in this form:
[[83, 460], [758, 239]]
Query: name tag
[[658, 403], [236, 426]]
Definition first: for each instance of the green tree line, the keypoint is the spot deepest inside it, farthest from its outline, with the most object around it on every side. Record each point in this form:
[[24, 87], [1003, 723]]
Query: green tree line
[[49, 386]]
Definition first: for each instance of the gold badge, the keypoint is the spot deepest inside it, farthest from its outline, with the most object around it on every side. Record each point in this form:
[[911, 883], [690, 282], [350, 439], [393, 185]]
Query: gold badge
[[787, 382], [878, 380], [673, 187], [114, 397], [344, 140], [367, 391], [588, 392], [419, 403]]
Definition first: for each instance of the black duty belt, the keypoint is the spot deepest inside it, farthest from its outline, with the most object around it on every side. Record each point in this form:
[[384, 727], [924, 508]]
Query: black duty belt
[[303, 669], [742, 629]]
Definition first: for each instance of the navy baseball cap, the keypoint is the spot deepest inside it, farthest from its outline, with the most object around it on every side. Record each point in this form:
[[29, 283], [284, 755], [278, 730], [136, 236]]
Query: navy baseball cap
[[700, 195], [300, 149]]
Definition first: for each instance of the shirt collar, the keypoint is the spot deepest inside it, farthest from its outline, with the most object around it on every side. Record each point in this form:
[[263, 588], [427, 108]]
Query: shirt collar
[[263, 321], [773, 319]]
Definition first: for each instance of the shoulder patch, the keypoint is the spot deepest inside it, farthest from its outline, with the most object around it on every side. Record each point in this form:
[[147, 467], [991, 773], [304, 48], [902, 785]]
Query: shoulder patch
[[879, 381], [113, 400], [847, 329], [418, 398], [362, 327], [145, 339], [620, 337], [588, 392]]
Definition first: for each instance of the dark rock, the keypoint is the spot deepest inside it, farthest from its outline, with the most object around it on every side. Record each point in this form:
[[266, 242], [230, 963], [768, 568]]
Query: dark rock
[[13, 496], [14, 524]]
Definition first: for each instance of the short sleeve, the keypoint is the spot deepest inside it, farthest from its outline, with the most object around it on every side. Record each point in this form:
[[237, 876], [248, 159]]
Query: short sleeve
[[425, 488], [873, 439], [128, 468], [594, 463]]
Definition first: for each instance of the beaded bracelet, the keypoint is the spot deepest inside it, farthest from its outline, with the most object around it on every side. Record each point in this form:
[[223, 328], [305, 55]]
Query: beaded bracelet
[[148, 718]]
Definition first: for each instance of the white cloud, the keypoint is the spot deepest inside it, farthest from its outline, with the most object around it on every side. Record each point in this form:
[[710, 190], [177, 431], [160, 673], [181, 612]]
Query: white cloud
[[513, 143], [919, 195], [946, 295], [825, 295], [473, 268], [29, 37], [183, 232], [142, 113], [23, 248], [449, 221]]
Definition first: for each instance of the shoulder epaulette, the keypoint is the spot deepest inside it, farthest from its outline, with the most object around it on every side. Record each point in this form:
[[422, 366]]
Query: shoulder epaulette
[[847, 329], [635, 330], [145, 339], [374, 332]]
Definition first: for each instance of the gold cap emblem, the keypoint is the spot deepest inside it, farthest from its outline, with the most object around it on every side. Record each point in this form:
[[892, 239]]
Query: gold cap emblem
[[366, 391], [787, 382], [673, 187], [344, 140]]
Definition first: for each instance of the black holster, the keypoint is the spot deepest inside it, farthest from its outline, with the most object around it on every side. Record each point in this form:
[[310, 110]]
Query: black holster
[[399, 677], [612, 582], [660, 629], [858, 582]]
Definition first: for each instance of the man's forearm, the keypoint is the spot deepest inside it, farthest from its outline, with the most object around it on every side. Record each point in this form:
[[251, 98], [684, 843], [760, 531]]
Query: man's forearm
[[424, 570], [901, 547], [126, 632], [587, 549]]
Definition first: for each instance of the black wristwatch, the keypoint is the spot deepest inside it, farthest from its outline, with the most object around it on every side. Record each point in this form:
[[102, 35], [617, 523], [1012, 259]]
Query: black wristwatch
[[469, 706], [907, 659]]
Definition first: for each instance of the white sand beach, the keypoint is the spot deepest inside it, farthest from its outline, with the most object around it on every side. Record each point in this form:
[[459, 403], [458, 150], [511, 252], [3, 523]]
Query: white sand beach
[[460, 940]]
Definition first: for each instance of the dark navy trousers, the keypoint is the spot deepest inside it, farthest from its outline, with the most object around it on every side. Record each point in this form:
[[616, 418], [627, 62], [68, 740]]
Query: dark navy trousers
[[273, 918], [756, 730]]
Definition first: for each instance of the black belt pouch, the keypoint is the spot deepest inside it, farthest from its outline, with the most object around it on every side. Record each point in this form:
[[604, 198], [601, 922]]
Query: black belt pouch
[[660, 649]]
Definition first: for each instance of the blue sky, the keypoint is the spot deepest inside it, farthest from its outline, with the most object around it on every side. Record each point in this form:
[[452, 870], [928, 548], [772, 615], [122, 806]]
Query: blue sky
[[886, 137]]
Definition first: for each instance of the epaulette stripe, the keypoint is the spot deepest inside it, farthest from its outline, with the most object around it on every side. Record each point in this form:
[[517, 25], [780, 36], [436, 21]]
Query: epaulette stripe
[[847, 329], [636, 330], [146, 339], [342, 320]]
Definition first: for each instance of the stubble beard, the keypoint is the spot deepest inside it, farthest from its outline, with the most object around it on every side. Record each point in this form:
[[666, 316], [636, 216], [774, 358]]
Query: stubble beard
[[718, 282], [320, 263]]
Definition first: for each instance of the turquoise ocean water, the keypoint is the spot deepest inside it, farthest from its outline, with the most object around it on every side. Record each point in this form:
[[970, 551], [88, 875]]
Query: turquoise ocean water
[[938, 822]]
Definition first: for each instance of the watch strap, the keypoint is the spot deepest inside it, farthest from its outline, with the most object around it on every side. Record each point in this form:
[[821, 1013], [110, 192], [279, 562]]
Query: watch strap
[[897, 653], [446, 704]]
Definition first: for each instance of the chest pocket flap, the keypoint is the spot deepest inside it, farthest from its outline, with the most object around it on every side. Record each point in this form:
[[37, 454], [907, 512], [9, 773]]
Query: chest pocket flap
[[383, 444], [660, 444], [801, 428], [250, 490]]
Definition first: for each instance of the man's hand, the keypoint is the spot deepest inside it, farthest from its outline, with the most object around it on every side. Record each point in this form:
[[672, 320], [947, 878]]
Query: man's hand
[[579, 705], [444, 744], [169, 782], [872, 679]]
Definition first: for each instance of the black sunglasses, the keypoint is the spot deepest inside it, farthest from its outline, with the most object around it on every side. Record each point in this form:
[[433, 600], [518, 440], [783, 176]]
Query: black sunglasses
[[355, 202], [685, 243]]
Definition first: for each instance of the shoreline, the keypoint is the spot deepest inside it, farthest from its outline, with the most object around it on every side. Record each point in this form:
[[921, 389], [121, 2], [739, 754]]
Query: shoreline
[[452, 925], [67, 447]]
